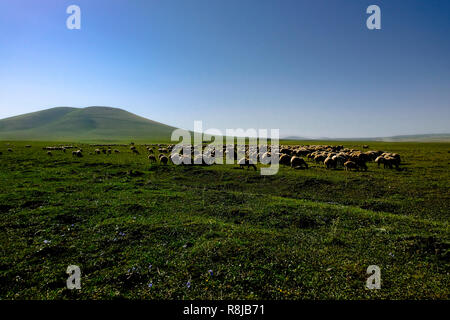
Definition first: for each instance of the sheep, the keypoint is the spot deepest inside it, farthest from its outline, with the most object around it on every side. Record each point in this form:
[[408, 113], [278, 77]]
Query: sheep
[[286, 151], [246, 162], [109, 151], [265, 158], [208, 158], [297, 163], [135, 151], [360, 159], [329, 163], [339, 160], [116, 151], [97, 151], [10, 150], [319, 158], [361, 164], [50, 153], [285, 159], [176, 158], [163, 160], [151, 158], [379, 160], [388, 161], [350, 165], [77, 153], [27, 146]]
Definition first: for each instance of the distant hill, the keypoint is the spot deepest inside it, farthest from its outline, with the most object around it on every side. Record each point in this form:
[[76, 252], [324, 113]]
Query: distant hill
[[437, 137], [434, 137], [91, 124]]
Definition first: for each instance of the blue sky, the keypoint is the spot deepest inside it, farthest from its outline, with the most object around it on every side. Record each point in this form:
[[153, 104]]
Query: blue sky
[[310, 68]]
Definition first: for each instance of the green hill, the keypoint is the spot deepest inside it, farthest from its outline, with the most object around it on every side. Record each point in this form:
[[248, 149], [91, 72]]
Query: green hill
[[92, 124]]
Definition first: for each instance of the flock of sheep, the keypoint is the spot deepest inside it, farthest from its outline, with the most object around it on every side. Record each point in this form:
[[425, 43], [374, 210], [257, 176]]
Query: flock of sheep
[[332, 157], [337, 156]]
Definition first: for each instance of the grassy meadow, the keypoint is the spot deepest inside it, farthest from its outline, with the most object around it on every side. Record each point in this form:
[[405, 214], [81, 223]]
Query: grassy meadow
[[145, 231]]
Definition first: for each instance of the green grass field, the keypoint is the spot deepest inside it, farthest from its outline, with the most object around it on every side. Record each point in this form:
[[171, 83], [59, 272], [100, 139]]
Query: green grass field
[[301, 234]]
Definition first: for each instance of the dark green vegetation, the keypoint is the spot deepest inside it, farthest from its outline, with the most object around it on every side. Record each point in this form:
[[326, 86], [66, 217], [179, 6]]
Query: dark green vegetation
[[301, 234], [87, 124]]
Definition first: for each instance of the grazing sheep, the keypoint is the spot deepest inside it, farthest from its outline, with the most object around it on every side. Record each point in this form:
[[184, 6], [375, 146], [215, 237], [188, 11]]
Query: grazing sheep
[[176, 158], [77, 153], [285, 159], [379, 160], [109, 151], [116, 151], [163, 160], [246, 162], [151, 158], [320, 158], [135, 151], [50, 153], [329, 163], [27, 146], [132, 148], [265, 158], [340, 160], [389, 162], [297, 163], [10, 150], [286, 151], [97, 151], [350, 165]]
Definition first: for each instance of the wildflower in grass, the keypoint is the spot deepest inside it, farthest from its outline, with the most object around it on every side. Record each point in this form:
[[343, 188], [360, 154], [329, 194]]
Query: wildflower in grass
[[150, 285], [210, 272], [47, 241], [150, 266], [188, 284]]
